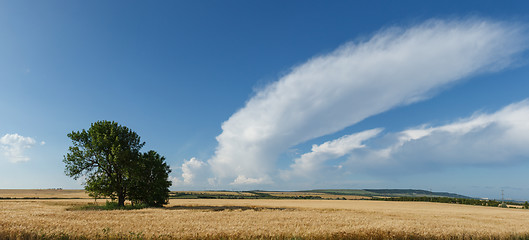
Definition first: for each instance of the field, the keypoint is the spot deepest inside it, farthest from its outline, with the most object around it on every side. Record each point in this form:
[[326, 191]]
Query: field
[[315, 194], [42, 193], [259, 218]]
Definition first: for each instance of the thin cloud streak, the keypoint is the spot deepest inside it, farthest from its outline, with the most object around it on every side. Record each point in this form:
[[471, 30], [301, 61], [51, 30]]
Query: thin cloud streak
[[309, 164], [330, 92], [482, 139]]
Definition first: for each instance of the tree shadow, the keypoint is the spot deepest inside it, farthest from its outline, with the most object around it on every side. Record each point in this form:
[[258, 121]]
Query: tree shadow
[[225, 208]]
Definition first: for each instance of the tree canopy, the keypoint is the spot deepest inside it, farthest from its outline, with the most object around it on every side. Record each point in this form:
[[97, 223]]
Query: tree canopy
[[108, 156]]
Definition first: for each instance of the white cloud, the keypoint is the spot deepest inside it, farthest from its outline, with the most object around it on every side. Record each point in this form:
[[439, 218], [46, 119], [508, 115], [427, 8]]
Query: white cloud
[[309, 164], [14, 145], [243, 180], [176, 181], [190, 170], [330, 92], [481, 139]]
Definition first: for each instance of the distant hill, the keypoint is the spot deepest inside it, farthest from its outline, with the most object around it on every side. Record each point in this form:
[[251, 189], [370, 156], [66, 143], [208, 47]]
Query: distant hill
[[349, 194], [388, 193]]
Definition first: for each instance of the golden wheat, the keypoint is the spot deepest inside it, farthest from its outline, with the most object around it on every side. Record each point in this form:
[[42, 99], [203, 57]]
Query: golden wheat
[[42, 193], [272, 219]]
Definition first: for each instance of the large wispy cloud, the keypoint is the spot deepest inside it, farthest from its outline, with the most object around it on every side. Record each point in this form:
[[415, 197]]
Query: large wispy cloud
[[482, 139], [13, 147], [395, 67]]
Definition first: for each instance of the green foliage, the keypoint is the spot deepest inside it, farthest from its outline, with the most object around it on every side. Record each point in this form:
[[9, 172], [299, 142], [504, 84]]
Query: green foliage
[[353, 192], [388, 193], [255, 195], [108, 156], [150, 183], [466, 201]]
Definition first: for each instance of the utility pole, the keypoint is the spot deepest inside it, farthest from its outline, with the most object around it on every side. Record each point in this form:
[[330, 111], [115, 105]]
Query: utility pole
[[431, 195], [502, 201]]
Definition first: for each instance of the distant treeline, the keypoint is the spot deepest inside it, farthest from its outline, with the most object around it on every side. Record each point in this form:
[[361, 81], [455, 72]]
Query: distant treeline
[[262, 195], [466, 201], [254, 195], [394, 193]]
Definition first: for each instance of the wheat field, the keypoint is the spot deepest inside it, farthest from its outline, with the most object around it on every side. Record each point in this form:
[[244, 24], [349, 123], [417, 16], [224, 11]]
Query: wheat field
[[42, 193], [261, 219]]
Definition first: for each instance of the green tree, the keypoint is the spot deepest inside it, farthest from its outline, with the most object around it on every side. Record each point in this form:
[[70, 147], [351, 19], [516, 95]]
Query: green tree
[[150, 184], [108, 156]]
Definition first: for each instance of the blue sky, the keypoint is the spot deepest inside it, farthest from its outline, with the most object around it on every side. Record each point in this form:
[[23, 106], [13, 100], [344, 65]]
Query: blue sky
[[274, 95]]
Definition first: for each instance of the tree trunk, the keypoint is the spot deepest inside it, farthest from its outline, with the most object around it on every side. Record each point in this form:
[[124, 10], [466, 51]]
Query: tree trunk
[[121, 200]]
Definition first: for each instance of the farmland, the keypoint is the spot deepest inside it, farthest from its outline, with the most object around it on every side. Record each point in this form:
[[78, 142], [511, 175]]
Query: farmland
[[257, 218], [42, 193]]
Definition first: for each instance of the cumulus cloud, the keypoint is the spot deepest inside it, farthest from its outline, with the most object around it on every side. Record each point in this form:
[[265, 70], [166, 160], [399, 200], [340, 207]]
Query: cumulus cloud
[[190, 170], [481, 139], [241, 179], [309, 164], [14, 145], [333, 91]]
